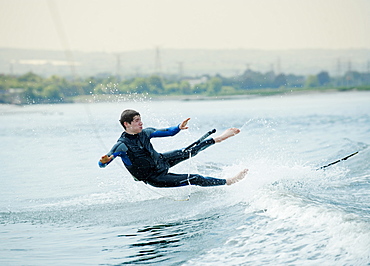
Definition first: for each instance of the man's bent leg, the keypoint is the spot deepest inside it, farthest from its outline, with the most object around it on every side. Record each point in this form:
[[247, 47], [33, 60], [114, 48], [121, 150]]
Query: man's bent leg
[[179, 180], [177, 156]]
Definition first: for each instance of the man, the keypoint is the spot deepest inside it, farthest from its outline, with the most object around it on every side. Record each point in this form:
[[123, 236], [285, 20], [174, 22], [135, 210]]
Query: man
[[151, 167]]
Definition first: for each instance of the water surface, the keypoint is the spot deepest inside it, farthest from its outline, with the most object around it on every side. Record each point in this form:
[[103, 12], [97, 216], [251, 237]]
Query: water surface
[[57, 207]]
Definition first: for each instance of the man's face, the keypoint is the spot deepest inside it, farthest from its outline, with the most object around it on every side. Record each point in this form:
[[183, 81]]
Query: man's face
[[135, 127]]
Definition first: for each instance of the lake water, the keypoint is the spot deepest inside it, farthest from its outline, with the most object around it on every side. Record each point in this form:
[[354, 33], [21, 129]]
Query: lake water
[[57, 207]]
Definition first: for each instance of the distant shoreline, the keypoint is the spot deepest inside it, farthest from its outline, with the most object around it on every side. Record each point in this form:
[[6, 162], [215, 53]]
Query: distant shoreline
[[250, 95]]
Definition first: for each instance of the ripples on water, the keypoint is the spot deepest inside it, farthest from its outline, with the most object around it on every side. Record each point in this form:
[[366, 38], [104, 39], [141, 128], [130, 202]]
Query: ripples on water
[[58, 207]]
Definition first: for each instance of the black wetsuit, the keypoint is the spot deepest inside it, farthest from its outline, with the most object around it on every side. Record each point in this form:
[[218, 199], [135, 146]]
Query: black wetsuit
[[147, 165]]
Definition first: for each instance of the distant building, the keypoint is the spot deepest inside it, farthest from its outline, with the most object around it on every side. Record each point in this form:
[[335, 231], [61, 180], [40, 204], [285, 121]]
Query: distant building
[[13, 95], [194, 82]]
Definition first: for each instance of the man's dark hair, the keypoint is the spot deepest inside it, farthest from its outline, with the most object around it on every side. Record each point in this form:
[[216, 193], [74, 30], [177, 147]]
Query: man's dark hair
[[128, 116]]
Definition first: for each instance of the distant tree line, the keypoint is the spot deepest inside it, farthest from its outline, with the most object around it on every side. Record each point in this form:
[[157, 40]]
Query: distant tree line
[[32, 88]]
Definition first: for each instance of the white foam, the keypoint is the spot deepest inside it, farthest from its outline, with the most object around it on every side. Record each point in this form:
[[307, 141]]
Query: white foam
[[284, 226], [293, 230]]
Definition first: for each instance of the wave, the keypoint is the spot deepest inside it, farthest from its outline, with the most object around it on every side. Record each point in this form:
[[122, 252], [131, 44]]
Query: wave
[[294, 216], [284, 228]]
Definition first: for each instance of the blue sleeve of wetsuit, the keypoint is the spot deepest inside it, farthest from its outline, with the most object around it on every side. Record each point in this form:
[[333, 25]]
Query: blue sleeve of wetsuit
[[166, 132], [119, 149], [121, 154]]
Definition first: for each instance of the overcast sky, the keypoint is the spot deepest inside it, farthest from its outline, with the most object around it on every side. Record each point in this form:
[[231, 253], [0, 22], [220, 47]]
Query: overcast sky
[[123, 25]]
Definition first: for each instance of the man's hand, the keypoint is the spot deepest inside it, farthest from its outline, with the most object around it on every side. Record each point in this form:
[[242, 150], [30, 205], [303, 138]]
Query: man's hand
[[184, 123], [106, 159]]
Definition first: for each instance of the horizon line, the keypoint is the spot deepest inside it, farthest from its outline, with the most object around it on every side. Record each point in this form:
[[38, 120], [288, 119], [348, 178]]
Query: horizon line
[[187, 49]]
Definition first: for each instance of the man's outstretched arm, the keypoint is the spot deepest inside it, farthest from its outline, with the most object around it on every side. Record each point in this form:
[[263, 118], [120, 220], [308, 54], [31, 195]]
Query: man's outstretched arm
[[171, 131], [119, 149]]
